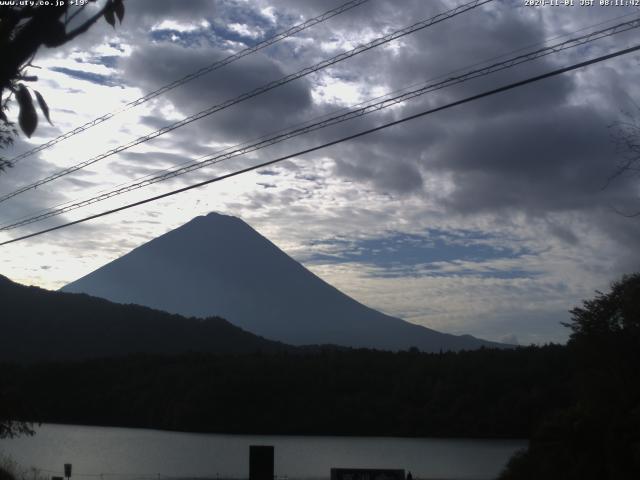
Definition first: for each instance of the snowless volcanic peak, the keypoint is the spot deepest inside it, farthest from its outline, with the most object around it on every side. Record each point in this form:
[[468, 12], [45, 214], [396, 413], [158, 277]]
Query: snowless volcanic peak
[[218, 265]]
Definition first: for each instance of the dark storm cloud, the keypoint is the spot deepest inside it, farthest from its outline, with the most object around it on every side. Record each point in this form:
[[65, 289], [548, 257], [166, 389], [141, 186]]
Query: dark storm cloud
[[149, 11], [248, 118], [385, 173], [563, 233], [535, 162], [379, 15]]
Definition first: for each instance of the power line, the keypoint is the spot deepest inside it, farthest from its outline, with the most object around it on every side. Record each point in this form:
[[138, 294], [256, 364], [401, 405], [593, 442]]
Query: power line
[[8, 225], [369, 107], [115, 190], [192, 76], [258, 91], [488, 93]]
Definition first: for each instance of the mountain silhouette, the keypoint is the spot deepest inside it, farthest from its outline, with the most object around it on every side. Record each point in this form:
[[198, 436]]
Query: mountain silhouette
[[218, 265]]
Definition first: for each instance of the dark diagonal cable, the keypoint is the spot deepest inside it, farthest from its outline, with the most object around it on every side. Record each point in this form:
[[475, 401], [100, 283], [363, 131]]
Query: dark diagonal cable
[[258, 91], [369, 107], [192, 76], [488, 93]]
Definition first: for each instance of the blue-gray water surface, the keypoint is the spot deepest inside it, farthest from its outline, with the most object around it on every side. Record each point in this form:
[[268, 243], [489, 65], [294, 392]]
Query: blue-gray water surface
[[106, 453]]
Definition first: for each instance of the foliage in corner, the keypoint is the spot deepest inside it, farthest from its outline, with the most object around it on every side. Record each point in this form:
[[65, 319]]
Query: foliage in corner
[[24, 28], [15, 428], [13, 409], [7, 133], [612, 316], [11, 470], [599, 436]]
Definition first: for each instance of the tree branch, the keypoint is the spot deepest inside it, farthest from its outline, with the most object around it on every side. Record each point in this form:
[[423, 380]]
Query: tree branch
[[85, 26], [73, 15]]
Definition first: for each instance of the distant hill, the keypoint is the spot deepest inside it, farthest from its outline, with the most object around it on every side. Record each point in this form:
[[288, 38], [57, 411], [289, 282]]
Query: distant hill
[[37, 324], [219, 265]]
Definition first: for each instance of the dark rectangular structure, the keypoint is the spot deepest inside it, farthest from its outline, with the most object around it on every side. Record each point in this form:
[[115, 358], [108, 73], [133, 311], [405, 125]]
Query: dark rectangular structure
[[366, 474], [261, 462]]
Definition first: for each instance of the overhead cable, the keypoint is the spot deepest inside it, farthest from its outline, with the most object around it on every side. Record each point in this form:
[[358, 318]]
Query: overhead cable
[[192, 76], [488, 93], [243, 149], [258, 91]]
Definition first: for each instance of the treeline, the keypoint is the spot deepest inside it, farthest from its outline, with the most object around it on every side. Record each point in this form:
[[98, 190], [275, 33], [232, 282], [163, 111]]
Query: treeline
[[484, 393]]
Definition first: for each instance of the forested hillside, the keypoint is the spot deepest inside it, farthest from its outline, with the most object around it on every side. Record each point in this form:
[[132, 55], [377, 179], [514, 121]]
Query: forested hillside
[[38, 324], [484, 393]]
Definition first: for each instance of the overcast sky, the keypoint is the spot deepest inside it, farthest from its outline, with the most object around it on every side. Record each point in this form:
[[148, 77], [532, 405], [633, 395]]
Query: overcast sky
[[490, 218]]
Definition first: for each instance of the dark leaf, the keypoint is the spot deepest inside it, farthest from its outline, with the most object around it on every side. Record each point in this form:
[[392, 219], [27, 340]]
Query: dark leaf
[[27, 118], [55, 34], [118, 6], [43, 106], [109, 15]]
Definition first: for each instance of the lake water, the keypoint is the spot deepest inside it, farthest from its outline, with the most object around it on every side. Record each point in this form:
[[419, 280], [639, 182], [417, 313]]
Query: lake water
[[101, 453]]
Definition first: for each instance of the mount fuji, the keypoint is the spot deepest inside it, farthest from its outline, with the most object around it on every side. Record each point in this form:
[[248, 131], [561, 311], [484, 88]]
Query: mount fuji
[[218, 265]]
